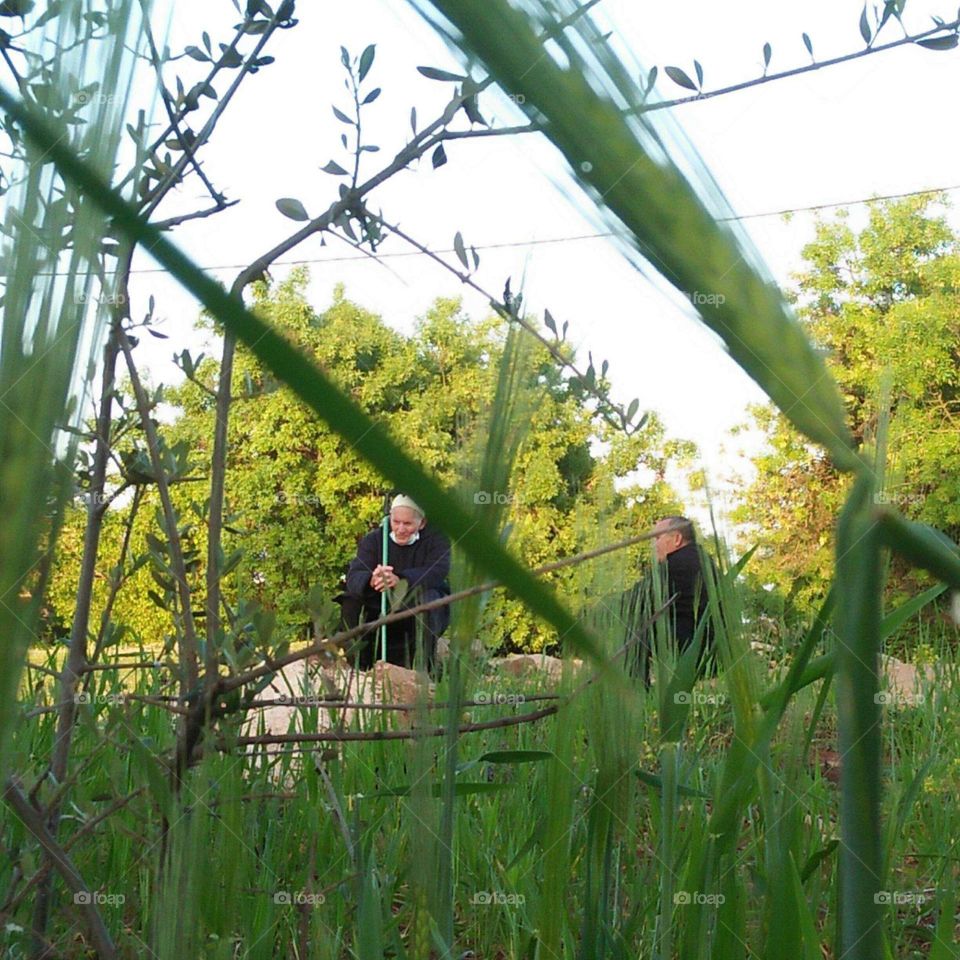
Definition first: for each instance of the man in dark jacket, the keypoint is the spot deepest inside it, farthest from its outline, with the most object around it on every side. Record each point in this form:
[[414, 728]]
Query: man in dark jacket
[[676, 549], [416, 554]]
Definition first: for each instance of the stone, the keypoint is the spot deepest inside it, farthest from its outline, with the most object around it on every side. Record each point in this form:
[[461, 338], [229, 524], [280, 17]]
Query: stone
[[530, 664], [905, 684]]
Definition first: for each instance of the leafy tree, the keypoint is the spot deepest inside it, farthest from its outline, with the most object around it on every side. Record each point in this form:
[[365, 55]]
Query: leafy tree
[[882, 304], [298, 497]]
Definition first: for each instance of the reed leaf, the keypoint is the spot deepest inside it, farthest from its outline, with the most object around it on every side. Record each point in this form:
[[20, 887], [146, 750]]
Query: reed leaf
[[624, 164], [859, 585], [51, 250]]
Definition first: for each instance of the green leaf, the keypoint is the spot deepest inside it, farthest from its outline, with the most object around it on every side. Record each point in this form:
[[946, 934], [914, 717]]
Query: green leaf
[[516, 756], [865, 26], [366, 61], [230, 58], [372, 95], [471, 108], [292, 208], [859, 586], [816, 858], [680, 77], [549, 322], [940, 43], [265, 622], [460, 250], [334, 168], [436, 790], [54, 9], [632, 409], [341, 116], [156, 599], [16, 8], [157, 782], [909, 609], [767, 54], [923, 546], [439, 157], [808, 43], [651, 80], [699, 72], [197, 54], [652, 780], [432, 73], [413, 120], [256, 27]]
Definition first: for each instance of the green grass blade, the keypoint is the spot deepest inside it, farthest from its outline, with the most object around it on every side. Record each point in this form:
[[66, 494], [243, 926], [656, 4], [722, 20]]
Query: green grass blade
[[859, 585], [50, 249], [922, 545], [624, 166], [907, 610]]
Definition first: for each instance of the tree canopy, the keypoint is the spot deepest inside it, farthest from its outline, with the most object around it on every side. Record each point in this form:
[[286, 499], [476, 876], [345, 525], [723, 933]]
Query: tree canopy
[[298, 497], [881, 303]]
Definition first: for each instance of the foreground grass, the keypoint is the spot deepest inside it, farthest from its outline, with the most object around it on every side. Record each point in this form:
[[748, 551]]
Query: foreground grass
[[594, 845]]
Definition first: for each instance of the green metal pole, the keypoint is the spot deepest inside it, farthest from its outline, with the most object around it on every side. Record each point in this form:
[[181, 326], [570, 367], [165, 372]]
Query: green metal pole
[[385, 524]]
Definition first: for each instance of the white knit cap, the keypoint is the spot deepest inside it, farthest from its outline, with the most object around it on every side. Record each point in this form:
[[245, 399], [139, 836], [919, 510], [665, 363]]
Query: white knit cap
[[402, 500]]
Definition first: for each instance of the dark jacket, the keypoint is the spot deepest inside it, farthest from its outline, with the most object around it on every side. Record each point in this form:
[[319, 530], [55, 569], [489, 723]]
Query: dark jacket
[[683, 575], [424, 564], [686, 579]]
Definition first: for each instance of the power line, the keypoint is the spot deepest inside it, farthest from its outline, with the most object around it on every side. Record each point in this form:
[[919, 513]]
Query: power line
[[843, 203], [569, 239]]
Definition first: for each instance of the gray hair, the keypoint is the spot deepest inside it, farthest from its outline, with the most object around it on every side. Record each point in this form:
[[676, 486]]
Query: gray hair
[[683, 526]]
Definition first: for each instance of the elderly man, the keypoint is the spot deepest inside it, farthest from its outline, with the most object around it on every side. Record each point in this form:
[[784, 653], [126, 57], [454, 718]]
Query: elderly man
[[416, 554], [676, 549]]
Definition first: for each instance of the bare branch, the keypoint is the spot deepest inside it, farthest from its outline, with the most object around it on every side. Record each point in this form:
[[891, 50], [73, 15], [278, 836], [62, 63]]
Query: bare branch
[[33, 820], [188, 641], [343, 736], [196, 215]]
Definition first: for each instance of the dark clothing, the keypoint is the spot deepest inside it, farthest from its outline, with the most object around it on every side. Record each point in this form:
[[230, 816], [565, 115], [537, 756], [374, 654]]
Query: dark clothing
[[683, 576], [425, 563], [425, 566], [402, 635]]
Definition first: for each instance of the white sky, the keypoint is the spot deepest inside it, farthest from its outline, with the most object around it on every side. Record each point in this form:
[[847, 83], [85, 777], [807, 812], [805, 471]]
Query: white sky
[[880, 125]]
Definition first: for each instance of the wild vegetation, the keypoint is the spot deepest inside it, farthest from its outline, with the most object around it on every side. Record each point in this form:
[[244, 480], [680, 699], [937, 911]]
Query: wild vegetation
[[686, 820]]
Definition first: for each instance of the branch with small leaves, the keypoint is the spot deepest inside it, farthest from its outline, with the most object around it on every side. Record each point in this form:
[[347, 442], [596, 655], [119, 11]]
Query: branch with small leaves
[[509, 307]]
